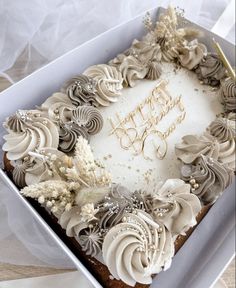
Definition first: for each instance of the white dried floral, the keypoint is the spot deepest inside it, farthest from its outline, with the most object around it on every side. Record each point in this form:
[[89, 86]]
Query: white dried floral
[[91, 195], [57, 195], [88, 212]]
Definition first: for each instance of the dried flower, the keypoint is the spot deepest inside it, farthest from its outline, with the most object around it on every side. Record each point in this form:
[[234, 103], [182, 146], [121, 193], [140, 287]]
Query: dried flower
[[56, 195], [88, 212]]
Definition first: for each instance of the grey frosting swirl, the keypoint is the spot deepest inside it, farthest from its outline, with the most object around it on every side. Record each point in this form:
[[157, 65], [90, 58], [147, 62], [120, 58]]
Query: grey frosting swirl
[[108, 83], [175, 207], [71, 221], [81, 90], [58, 107], [210, 70], [132, 69], [223, 129], [228, 94], [37, 131], [145, 51], [16, 122], [112, 208], [140, 61], [89, 118], [191, 54], [193, 146], [154, 70], [19, 171], [91, 240], [45, 166], [209, 178], [68, 134]]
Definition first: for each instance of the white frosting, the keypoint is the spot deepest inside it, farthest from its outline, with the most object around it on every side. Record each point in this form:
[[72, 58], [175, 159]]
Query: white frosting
[[58, 107], [175, 207], [137, 248], [38, 132], [131, 170], [108, 83], [45, 167]]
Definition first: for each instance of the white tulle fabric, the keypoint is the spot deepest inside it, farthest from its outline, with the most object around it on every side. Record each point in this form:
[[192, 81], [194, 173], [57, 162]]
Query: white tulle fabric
[[33, 33]]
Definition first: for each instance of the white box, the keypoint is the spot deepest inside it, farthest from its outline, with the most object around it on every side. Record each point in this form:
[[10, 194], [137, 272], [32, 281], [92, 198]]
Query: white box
[[209, 249]]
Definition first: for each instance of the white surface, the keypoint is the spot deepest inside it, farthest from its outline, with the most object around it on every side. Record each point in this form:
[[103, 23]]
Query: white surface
[[131, 170], [36, 87]]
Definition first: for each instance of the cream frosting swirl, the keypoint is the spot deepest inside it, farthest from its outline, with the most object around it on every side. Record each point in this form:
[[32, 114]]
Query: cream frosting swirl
[[112, 208], [72, 222], [37, 132], [208, 177], [191, 54], [210, 70], [68, 135], [19, 171], [145, 51], [154, 70], [193, 146], [91, 240], [228, 94], [16, 122], [108, 83], [58, 107], [137, 248], [223, 129], [88, 117], [45, 166], [81, 90], [132, 69], [175, 207], [227, 153]]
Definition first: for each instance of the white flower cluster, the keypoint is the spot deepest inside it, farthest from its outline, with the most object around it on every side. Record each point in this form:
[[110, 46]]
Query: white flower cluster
[[81, 181], [58, 196], [85, 169]]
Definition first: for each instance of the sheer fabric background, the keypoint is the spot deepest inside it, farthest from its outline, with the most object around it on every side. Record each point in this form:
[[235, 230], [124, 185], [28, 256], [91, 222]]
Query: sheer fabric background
[[33, 33]]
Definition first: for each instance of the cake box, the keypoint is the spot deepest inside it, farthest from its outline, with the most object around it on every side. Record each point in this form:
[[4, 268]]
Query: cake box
[[210, 248]]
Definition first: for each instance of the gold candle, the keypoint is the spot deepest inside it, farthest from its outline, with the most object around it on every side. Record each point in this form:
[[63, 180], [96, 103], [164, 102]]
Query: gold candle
[[224, 59]]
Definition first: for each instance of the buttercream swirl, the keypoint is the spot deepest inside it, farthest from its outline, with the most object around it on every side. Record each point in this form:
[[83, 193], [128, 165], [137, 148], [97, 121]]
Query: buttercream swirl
[[37, 132], [227, 153], [193, 146], [68, 134], [191, 54], [132, 69], [88, 117], [175, 207], [223, 129], [20, 167], [228, 94], [137, 248], [45, 166], [112, 208], [145, 51], [108, 83], [210, 70], [58, 107], [16, 122], [72, 222], [209, 178], [154, 70], [81, 90], [91, 240]]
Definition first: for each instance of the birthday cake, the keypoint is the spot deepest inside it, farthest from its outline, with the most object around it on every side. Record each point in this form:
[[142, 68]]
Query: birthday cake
[[130, 155]]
